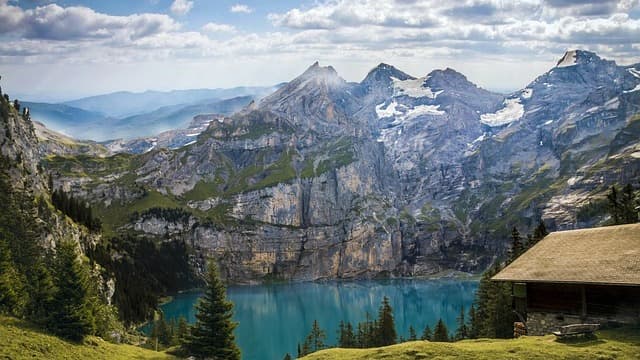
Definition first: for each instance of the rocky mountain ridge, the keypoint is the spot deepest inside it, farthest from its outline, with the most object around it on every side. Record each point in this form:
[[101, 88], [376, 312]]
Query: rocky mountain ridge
[[392, 176]]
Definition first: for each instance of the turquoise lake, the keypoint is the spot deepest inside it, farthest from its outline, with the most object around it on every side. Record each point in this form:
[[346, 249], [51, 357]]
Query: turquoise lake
[[273, 319]]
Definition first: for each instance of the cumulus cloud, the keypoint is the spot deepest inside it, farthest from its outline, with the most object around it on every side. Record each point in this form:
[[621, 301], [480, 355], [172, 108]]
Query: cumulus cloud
[[54, 22], [481, 26], [181, 7], [218, 28], [241, 8], [335, 14], [473, 31], [10, 16]]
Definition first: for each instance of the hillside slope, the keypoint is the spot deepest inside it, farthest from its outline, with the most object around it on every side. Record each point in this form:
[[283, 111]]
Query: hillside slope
[[20, 340], [612, 344]]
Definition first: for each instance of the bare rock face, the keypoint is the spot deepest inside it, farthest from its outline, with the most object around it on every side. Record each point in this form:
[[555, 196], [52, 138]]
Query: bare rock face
[[394, 176]]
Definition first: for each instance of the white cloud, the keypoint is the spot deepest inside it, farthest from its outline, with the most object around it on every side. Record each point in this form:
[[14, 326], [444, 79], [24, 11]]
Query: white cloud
[[485, 39], [181, 7], [218, 28], [76, 23], [241, 8]]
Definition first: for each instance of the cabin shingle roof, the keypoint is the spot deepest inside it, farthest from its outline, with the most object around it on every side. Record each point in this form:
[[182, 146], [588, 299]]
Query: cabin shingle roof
[[605, 255]]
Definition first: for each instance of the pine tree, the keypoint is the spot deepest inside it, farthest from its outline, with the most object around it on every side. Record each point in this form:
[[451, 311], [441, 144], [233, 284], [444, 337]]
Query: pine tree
[[614, 206], [539, 233], [162, 331], [386, 326], [315, 340], [427, 334], [212, 335], [182, 329], [71, 317], [287, 357], [350, 336], [474, 323], [13, 295], [493, 307], [412, 334], [516, 244], [440, 332], [42, 291], [461, 332], [346, 337], [628, 206]]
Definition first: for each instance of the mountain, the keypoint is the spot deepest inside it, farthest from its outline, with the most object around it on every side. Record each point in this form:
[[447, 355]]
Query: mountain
[[125, 104], [68, 120], [393, 176], [171, 117], [82, 124]]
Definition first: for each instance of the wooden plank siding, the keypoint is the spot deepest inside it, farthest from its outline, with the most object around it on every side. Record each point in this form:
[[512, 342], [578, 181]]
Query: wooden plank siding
[[569, 299]]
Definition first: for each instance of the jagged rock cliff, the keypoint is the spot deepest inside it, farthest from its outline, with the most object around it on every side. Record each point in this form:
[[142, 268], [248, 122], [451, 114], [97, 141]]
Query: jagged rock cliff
[[393, 176]]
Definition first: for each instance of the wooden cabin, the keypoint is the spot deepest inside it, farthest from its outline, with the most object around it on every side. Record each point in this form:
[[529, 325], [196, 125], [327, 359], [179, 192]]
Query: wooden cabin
[[578, 276]]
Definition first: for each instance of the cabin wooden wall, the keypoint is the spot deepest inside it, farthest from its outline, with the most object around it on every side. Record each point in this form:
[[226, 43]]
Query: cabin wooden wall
[[550, 306]]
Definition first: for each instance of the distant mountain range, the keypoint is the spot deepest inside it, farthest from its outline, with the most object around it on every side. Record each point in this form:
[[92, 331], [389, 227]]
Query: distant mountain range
[[393, 176], [133, 115]]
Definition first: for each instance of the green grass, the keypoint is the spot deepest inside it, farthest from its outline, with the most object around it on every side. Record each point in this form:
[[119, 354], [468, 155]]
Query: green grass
[[118, 214], [610, 344], [337, 153], [204, 190], [21, 340], [90, 165]]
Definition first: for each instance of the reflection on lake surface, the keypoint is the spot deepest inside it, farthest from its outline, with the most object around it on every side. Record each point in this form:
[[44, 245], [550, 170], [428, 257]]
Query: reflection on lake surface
[[275, 318]]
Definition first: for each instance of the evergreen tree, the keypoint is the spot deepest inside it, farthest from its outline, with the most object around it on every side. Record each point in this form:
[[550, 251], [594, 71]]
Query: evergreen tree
[[628, 207], [42, 291], [212, 335], [71, 317], [386, 326], [287, 357], [182, 329], [315, 340], [412, 334], [539, 233], [440, 332], [461, 332], [12, 292], [474, 323], [516, 244], [346, 337], [427, 334], [162, 331], [493, 307], [614, 206]]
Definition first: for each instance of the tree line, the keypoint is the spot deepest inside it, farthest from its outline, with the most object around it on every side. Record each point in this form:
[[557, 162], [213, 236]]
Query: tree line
[[77, 209], [380, 331]]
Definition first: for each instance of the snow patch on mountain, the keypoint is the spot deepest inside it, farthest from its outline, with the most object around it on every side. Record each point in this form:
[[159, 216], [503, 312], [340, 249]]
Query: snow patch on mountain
[[512, 111], [612, 104], [388, 111], [526, 93], [634, 72], [569, 59], [632, 90], [480, 138], [413, 88], [423, 110]]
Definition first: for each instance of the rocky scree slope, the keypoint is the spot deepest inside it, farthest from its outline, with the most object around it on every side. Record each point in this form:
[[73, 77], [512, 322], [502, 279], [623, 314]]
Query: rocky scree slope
[[393, 176]]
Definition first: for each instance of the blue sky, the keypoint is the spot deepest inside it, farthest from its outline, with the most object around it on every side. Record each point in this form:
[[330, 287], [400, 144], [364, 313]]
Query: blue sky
[[66, 49]]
